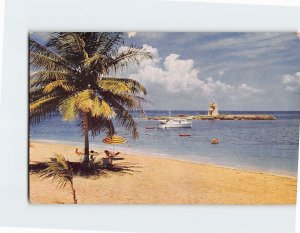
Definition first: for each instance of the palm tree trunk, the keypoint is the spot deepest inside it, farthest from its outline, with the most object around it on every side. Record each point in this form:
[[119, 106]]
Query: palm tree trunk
[[74, 194], [86, 137]]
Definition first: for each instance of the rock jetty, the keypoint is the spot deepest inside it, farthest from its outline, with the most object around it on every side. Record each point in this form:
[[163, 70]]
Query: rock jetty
[[218, 117]]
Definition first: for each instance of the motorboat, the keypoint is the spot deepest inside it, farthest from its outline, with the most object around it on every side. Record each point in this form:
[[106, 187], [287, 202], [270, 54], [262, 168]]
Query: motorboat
[[215, 141], [150, 127], [175, 123], [184, 135]]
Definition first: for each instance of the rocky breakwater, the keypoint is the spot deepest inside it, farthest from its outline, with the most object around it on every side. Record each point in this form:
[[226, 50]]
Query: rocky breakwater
[[219, 117]]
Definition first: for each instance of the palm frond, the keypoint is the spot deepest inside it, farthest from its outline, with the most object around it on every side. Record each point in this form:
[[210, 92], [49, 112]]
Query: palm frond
[[113, 39], [84, 100], [59, 171], [101, 108], [100, 124], [98, 63], [64, 84], [41, 106], [38, 103], [43, 77], [126, 120], [121, 85], [67, 79], [69, 45], [130, 56], [43, 50], [40, 61], [68, 109]]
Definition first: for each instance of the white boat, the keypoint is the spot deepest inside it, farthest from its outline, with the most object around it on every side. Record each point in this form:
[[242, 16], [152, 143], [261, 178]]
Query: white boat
[[175, 123]]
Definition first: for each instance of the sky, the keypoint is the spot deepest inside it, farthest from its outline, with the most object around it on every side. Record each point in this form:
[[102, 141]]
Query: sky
[[239, 71]]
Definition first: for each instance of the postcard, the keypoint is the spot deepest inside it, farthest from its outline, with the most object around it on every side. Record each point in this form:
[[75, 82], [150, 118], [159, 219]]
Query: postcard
[[163, 118]]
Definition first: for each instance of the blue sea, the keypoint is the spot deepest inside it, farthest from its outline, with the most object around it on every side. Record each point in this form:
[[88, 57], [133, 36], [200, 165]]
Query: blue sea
[[267, 146]]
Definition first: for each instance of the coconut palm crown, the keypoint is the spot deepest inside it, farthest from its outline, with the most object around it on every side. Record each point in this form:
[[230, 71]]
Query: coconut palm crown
[[75, 74]]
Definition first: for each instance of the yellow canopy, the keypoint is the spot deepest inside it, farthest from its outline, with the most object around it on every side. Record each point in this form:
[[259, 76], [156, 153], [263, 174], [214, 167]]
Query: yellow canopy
[[114, 140]]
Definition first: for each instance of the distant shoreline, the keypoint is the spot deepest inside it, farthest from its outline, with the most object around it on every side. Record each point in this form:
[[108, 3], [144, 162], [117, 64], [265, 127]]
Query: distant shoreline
[[217, 117], [221, 111]]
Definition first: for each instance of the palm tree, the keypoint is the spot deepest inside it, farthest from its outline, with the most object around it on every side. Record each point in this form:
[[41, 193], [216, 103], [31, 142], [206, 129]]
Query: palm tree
[[75, 74], [59, 170]]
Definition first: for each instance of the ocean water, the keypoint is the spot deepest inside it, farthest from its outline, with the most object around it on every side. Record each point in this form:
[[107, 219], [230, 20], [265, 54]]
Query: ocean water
[[268, 146]]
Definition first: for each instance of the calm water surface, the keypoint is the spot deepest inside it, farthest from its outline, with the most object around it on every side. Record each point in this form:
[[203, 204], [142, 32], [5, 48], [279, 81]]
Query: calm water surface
[[270, 146]]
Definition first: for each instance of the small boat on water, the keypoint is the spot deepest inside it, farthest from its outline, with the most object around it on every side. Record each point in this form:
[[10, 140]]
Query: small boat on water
[[184, 135], [150, 127], [214, 141], [175, 123]]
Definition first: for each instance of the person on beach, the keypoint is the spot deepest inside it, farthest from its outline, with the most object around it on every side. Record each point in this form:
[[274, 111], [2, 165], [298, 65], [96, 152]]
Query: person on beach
[[77, 152], [110, 155]]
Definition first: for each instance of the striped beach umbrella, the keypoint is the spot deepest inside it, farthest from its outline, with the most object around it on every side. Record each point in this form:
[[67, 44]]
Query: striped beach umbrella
[[114, 140]]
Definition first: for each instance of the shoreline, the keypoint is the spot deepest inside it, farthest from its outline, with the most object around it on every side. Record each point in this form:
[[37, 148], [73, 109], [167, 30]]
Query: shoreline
[[146, 179], [166, 156]]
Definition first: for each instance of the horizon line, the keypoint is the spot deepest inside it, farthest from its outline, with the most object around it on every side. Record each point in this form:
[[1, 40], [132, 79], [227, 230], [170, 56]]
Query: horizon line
[[222, 110]]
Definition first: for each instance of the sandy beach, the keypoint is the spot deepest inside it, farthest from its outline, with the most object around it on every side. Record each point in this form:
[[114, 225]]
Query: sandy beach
[[155, 180]]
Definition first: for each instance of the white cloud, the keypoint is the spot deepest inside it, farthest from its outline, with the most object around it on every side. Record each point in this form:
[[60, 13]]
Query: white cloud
[[291, 82], [250, 62], [245, 89], [212, 87], [155, 56], [143, 62], [131, 34], [172, 80], [176, 75]]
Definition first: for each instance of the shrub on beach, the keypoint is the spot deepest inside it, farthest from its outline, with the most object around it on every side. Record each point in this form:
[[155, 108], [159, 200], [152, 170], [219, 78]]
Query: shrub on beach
[[60, 171]]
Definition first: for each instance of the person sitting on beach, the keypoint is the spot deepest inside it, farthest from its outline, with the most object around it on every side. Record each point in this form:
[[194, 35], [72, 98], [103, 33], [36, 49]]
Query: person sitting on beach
[[111, 154], [94, 152], [77, 152]]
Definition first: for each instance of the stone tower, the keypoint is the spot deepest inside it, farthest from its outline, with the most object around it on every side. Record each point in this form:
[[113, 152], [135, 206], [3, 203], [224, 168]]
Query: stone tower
[[213, 109]]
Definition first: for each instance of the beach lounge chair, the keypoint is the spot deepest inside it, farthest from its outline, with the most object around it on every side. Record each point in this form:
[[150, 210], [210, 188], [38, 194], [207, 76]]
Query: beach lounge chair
[[110, 156]]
